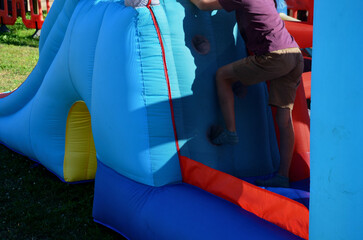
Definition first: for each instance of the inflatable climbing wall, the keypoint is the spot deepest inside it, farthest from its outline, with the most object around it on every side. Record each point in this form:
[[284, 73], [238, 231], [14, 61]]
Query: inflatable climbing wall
[[128, 88]]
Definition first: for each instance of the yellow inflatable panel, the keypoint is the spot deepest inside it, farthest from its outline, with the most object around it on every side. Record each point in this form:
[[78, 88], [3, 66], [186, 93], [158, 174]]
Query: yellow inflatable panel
[[80, 161]]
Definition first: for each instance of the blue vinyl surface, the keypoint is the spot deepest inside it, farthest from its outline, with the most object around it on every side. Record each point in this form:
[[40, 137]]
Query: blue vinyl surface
[[336, 208], [178, 211]]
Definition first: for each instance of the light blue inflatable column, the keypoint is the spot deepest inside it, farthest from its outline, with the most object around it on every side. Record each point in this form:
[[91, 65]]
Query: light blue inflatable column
[[336, 210]]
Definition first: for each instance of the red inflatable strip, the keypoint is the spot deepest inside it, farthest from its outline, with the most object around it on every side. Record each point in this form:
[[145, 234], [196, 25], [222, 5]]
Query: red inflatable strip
[[166, 76], [300, 165], [302, 32], [306, 77], [279, 210], [2, 95]]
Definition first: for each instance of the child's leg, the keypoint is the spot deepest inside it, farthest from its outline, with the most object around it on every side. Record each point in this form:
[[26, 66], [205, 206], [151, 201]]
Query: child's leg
[[287, 139]]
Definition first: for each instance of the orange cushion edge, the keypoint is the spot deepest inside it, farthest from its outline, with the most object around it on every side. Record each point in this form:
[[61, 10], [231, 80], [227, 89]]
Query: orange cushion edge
[[279, 210]]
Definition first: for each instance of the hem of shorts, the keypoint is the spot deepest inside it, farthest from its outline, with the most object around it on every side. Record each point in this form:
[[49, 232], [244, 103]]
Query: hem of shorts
[[289, 106], [260, 53]]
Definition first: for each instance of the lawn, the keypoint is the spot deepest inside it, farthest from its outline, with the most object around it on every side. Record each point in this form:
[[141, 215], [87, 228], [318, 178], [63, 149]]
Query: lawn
[[18, 56], [34, 203]]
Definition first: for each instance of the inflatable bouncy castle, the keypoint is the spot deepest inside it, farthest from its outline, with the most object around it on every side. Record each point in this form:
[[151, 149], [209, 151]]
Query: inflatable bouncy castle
[[127, 89], [124, 91]]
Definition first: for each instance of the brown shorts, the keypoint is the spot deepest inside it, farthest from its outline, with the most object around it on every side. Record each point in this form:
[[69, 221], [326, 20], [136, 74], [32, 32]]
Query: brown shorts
[[283, 68]]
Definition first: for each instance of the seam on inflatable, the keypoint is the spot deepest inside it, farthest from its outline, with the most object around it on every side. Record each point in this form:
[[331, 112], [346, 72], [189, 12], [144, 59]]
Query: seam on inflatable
[[166, 76], [109, 226], [30, 135], [167, 81], [137, 35], [50, 13], [90, 134], [94, 55], [65, 165], [69, 48], [89, 144], [56, 26]]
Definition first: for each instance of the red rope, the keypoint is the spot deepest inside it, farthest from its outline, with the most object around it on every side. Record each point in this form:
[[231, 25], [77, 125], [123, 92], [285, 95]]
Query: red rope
[[166, 76]]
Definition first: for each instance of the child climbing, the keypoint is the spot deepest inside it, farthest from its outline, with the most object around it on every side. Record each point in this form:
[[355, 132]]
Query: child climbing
[[277, 59]]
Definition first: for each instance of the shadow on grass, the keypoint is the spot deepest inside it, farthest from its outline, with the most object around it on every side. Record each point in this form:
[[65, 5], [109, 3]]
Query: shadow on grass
[[35, 204]]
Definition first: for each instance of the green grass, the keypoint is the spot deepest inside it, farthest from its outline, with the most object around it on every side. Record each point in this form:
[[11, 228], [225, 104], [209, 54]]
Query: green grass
[[18, 55], [16, 63], [19, 35], [34, 204]]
